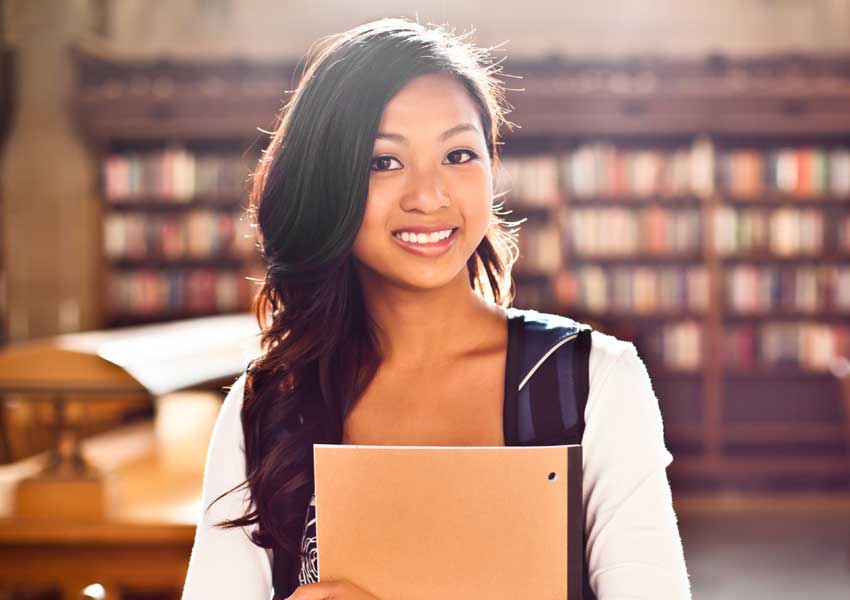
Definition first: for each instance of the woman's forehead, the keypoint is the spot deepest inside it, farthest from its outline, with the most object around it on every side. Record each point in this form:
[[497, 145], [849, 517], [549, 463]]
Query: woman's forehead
[[429, 104]]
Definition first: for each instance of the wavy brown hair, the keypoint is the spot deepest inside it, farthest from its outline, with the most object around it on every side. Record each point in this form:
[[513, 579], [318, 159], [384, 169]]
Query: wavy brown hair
[[319, 350]]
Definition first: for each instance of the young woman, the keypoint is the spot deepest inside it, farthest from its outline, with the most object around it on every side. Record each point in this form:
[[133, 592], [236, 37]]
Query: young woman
[[385, 321]]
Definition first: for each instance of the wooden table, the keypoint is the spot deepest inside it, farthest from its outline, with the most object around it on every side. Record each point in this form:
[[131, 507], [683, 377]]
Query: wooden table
[[142, 545]]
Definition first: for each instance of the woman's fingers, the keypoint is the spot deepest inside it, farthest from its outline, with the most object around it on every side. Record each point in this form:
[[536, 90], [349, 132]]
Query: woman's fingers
[[330, 590], [315, 591]]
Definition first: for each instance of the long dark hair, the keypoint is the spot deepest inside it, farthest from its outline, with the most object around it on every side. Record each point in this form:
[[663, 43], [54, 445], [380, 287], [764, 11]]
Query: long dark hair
[[308, 199]]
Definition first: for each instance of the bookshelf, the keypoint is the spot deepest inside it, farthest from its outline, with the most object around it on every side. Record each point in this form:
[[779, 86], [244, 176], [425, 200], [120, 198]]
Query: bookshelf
[[176, 143], [638, 179], [704, 214], [174, 236]]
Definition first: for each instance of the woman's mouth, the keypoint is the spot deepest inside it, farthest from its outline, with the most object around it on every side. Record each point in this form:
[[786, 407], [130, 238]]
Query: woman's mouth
[[434, 243]]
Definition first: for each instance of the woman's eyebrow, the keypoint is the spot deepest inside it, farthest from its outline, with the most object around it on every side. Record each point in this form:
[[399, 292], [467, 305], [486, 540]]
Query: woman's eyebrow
[[397, 137]]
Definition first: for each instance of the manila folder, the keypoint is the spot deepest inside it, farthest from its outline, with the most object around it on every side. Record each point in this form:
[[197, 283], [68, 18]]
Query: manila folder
[[451, 522]]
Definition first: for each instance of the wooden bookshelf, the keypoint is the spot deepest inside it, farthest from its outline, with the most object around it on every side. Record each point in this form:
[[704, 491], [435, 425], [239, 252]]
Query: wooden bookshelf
[[177, 142], [762, 426], [765, 426]]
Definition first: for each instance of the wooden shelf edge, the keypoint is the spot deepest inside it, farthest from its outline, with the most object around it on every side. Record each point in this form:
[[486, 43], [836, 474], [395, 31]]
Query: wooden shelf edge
[[751, 504], [736, 466]]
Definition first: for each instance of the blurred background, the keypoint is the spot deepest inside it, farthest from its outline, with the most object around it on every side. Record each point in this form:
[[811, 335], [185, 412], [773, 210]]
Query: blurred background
[[684, 169]]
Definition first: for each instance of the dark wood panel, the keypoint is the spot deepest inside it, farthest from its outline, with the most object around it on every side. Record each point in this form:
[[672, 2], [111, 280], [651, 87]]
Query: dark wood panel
[[559, 97], [7, 90], [680, 399], [808, 400]]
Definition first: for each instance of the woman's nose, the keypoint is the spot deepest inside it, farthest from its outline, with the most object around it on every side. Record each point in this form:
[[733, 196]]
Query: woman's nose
[[426, 194]]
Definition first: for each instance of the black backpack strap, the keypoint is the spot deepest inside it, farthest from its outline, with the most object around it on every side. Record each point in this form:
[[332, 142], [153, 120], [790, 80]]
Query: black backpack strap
[[544, 387], [581, 384], [560, 382], [581, 373], [549, 407]]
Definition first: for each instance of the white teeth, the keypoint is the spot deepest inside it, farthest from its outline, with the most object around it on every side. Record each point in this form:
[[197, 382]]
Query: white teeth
[[424, 238]]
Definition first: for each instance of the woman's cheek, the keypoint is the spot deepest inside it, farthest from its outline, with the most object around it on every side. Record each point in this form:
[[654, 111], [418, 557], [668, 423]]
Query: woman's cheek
[[479, 218], [372, 241], [364, 243]]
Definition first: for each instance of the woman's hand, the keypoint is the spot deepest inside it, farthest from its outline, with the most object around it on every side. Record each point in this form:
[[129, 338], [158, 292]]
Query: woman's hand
[[330, 590]]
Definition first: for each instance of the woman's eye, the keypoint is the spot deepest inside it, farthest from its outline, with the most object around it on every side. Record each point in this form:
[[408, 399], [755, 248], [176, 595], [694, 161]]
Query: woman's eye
[[384, 161], [472, 155]]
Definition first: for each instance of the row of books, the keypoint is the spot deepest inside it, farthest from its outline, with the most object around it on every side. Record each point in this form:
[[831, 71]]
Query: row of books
[[174, 291], [535, 293], [638, 290], [605, 169], [677, 290], [803, 345], [842, 234], [778, 231], [654, 231], [531, 180], [802, 171], [598, 169], [539, 246], [617, 231], [199, 233], [174, 175], [677, 345], [751, 289]]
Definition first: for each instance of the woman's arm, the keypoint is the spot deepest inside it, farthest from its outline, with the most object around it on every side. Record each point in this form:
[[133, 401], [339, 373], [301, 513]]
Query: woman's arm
[[634, 548], [225, 564]]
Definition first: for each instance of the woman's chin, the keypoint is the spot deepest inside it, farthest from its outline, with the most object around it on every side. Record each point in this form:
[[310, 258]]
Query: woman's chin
[[428, 281], [423, 279]]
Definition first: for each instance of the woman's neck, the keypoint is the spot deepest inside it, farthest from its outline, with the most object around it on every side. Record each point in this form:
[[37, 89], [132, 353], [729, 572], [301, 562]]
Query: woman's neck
[[434, 326]]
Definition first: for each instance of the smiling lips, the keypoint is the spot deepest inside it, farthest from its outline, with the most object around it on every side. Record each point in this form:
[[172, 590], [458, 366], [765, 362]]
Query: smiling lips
[[430, 241]]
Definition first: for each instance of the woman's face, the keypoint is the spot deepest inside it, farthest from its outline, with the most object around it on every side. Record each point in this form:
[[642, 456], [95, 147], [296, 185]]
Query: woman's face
[[430, 187]]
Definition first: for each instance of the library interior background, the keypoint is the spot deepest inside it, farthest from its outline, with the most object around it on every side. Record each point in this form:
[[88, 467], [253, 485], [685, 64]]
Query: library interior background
[[683, 169]]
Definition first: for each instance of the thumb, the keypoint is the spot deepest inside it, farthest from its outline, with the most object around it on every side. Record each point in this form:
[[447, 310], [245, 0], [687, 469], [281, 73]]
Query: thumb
[[315, 591]]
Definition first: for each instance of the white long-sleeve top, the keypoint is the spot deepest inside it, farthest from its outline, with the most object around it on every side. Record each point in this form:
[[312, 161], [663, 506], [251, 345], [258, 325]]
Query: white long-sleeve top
[[634, 549]]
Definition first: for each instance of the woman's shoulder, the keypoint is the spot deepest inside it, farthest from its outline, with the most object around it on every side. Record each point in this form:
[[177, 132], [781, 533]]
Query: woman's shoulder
[[606, 353], [227, 432], [606, 350], [235, 393], [534, 320]]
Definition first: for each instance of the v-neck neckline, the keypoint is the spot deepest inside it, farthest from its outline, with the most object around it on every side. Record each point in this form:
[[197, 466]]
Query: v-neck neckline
[[515, 323]]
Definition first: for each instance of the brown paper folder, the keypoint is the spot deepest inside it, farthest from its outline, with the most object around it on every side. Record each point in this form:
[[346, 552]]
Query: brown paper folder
[[459, 522]]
